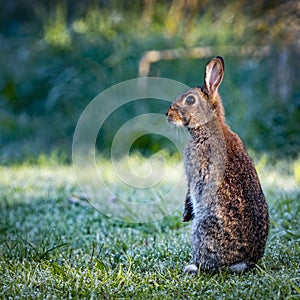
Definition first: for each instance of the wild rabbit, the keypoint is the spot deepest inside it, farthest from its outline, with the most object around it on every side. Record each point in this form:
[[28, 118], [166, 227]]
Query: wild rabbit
[[224, 197]]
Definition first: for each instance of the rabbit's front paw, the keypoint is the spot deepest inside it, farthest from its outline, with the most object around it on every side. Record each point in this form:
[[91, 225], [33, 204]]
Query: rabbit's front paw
[[187, 216]]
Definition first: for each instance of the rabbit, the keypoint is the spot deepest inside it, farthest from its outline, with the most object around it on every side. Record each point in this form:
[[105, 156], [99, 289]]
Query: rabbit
[[224, 200]]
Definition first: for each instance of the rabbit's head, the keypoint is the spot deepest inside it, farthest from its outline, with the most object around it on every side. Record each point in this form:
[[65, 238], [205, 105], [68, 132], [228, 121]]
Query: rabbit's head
[[198, 105]]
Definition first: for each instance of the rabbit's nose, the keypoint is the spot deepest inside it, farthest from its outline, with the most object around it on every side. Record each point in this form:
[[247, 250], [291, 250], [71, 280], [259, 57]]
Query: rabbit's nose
[[167, 112]]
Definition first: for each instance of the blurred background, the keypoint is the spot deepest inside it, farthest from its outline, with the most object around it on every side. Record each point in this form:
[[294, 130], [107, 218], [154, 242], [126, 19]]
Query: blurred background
[[56, 56]]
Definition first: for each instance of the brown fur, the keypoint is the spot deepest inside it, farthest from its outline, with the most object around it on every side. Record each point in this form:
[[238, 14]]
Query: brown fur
[[224, 198]]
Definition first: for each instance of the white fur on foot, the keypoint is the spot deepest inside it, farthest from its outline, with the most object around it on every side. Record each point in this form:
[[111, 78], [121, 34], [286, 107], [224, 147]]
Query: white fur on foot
[[191, 269], [238, 268]]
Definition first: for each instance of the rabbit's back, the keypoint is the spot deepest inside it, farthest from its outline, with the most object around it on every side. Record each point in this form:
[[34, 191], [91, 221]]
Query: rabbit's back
[[242, 206]]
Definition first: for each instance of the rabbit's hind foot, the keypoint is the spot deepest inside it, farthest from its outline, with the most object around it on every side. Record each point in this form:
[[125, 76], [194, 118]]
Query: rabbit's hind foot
[[238, 268], [191, 269]]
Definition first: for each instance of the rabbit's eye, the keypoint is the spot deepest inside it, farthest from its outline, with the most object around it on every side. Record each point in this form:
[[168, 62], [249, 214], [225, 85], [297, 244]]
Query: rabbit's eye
[[190, 100]]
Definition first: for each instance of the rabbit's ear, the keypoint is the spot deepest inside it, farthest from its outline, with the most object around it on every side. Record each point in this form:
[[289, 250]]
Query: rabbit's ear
[[214, 74]]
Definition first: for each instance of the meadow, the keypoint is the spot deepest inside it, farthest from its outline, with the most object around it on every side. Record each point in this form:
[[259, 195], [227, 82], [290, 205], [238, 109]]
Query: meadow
[[53, 248], [57, 57]]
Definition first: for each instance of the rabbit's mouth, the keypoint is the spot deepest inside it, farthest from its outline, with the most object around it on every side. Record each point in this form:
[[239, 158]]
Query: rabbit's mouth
[[174, 117], [176, 122]]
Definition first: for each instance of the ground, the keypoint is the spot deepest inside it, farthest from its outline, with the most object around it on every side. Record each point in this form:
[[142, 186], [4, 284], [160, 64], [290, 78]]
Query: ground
[[53, 248]]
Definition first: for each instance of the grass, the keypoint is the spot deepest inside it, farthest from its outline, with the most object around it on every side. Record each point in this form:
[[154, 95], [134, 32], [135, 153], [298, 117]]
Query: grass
[[51, 248]]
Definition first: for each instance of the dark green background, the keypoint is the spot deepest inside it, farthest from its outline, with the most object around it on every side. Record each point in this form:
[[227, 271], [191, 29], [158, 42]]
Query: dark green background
[[57, 56]]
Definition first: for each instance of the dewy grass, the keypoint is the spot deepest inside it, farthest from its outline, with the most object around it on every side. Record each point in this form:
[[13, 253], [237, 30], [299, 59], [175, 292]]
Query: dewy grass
[[51, 248]]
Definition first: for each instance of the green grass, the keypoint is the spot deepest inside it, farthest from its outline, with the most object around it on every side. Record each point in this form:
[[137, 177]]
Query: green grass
[[51, 248]]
